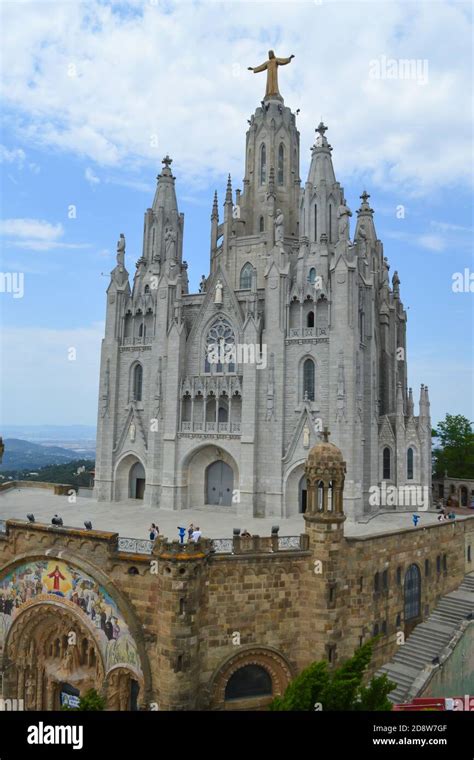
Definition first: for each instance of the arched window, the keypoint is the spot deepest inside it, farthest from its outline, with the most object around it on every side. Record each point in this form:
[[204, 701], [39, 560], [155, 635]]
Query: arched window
[[410, 464], [312, 276], [281, 163], [246, 276], [220, 347], [308, 380], [310, 319], [386, 466], [137, 382], [412, 592], [142, 331], [147, 288], [249, 681], [316, 222], [263, 164], [261, 224]]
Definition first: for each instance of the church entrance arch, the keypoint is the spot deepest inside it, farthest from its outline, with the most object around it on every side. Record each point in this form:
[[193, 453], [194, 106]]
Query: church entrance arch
[[302, 492], [137, 481], [209, 477], [130, 478], [219, 484]]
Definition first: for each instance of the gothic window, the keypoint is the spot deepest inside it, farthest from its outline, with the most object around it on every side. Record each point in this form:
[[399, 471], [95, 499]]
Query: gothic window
[[249, 681], [261, 224], [246, 276], [315, 222], [147, 288], [386, 467], [310, 319], [412, 592], [137, 382], [281, 161], [312, 276], [410, 464], [142, 331], [263, 164], [220, 347], [308, 380], [330, 223]]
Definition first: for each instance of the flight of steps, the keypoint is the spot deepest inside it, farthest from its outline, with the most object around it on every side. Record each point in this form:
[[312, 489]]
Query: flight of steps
[[429, 638]]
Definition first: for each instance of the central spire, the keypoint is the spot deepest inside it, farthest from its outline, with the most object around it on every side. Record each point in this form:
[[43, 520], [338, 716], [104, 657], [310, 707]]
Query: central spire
[[271, 67]]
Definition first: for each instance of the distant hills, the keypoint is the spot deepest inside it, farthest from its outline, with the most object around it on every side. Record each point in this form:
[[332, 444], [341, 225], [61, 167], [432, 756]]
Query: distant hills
[[21, 455], [56, 433]]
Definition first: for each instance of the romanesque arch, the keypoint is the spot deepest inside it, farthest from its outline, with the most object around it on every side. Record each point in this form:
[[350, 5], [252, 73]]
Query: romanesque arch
[[250, 679], [293, 496], [64, 629], [128, 470], [196, 469]]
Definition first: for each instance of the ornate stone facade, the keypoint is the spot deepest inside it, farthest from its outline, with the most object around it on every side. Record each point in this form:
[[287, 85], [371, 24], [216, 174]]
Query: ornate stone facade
[[318, 330]]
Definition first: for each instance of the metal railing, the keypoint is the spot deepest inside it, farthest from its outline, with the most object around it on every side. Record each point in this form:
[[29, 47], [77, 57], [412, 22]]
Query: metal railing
[[135, 545]]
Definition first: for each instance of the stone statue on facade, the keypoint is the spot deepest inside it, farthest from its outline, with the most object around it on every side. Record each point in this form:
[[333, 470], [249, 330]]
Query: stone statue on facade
[[218, 295], [271, 67], [343, 214], [279, 227], [121, 251], [202, 284], [170, 244]]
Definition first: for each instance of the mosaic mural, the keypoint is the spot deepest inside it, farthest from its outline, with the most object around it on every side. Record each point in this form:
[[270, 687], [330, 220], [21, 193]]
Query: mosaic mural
[[43, 580]]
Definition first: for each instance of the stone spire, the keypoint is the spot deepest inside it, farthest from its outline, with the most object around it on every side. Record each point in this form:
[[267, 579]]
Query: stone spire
[[215, 208], [365, 220], [321, 168], [165, 195], [410, 404]]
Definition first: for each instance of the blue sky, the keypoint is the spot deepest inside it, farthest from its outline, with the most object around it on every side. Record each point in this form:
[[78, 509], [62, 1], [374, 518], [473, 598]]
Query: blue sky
[[96, 93]]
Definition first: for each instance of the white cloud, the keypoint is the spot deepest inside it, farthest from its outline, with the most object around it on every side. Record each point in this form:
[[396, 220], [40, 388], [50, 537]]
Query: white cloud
[[432, 242], [17, 156], [31, 228], [42, 354], [35, 234], [91, 178], [179, 72]]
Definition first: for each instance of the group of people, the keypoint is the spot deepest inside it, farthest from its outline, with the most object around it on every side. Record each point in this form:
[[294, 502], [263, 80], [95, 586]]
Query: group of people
[[194, 533]]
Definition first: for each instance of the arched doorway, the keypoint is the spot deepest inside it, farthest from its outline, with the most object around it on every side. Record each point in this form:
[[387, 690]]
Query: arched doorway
[[302, 492], [51, 656], [219, 484], [463, 493], [248, 682], [122, 690], [137, 481]]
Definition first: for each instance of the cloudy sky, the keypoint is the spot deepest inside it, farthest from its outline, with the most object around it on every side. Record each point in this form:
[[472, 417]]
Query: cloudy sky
[[96, 93]]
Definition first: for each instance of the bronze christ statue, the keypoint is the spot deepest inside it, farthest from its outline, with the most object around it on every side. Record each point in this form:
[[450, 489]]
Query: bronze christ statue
[[271, 67]]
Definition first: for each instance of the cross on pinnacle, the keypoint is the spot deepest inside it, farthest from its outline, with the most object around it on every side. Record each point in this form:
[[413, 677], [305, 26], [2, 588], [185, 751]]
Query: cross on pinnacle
[[326, 434], [167, 161], [365, 196], [321, 128]]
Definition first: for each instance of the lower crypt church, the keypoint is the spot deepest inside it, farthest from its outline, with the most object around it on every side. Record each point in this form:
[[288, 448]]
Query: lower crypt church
[[216, 397]]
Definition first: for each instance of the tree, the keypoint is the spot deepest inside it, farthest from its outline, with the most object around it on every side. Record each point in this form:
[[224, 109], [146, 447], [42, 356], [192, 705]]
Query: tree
[[456, 451], [341, 690]]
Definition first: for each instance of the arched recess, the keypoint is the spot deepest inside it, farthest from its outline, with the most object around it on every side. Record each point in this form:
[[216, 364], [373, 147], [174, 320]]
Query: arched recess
[[267, 659], [412, 593], [246, 276], [291, 488], [126, 474], [194, 473], [54, 597]]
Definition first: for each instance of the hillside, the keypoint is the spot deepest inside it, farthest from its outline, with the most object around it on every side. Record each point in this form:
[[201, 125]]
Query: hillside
[[23, 455]]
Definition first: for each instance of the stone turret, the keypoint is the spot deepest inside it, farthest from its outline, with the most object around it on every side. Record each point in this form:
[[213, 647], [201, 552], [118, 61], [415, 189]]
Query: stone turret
[[324, 519]]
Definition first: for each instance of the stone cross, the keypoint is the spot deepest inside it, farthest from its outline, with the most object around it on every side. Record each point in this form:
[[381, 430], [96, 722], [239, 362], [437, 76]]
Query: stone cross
[[326, 434]]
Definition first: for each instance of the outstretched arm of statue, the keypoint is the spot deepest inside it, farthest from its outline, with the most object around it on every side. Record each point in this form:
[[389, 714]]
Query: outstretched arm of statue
[[262, 67], [284, 61]]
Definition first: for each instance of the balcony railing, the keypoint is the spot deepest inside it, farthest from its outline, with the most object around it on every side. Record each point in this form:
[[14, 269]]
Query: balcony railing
[[135, 545], [308, 332], [211, 427], [130, 341]]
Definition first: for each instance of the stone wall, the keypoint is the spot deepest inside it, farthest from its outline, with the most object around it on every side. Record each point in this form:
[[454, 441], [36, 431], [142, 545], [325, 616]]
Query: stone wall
[[196, 616]]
